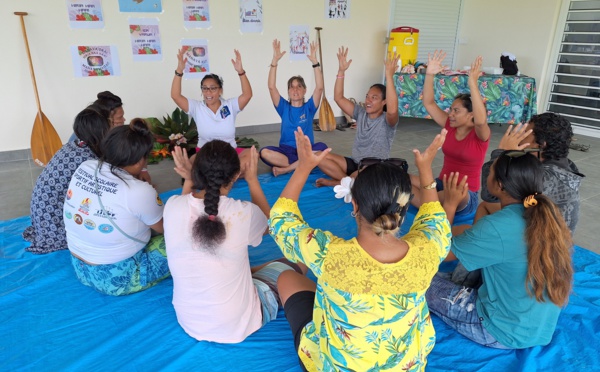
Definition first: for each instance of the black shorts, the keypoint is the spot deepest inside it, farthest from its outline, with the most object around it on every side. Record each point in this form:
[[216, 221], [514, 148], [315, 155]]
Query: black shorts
[[299, 312], [351, 166]]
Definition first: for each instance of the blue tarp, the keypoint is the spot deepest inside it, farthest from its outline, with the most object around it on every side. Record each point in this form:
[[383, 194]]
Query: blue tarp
[[51, 322]]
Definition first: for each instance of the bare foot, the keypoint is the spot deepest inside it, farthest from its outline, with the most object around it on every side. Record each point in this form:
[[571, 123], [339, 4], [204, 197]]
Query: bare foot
[[326, 182], [278, 171]]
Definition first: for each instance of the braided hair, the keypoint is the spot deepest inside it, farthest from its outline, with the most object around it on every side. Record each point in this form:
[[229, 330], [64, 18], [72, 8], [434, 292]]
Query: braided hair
[[216, 165]]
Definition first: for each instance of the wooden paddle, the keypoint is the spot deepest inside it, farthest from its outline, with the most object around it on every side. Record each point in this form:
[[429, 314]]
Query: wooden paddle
[[326, 119], [45, 142]]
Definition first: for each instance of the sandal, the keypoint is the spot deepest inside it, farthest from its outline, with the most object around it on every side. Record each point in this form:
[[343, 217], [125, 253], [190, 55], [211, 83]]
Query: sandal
[[579, 147]]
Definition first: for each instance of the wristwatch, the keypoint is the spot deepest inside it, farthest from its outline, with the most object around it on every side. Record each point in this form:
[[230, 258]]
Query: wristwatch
[[431, 186]]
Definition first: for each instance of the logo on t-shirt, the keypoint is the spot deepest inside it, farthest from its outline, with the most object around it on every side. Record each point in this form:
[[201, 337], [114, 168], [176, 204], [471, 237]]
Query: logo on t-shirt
[[78, 219], [69, 194], [89, 224], [85, 206], [225, 112], [68, 214], [159, 200], [105, 214], [105, 228], [302, 118]]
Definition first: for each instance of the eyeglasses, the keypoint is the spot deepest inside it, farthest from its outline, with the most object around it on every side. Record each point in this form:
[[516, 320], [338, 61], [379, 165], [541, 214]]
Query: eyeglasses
[[399, 162], [517, 154], [211, 89]]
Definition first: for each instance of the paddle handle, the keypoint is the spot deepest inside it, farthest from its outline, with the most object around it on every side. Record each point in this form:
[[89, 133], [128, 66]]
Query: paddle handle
[[320, 55], [35, 90]]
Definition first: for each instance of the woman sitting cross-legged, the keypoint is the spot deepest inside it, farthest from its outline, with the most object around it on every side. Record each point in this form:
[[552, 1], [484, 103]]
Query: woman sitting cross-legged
[[367, 310], [523, 252], [109, 214], [294, 112], [217, 296]]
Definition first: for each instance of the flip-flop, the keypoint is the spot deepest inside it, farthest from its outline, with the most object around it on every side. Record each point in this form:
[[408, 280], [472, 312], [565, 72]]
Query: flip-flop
[[579, 147]]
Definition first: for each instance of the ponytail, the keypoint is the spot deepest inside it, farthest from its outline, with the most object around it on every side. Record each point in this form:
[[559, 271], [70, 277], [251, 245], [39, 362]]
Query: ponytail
[[549, 242], [216, 166]]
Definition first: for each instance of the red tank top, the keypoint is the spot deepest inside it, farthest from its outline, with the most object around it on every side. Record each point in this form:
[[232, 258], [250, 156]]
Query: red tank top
[[465, 156]]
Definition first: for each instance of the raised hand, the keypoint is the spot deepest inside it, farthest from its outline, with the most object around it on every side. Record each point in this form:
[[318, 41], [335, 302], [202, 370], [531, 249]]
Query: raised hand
[[343, 61], [313, 53], [475, 70], [237, 62], [391, 63], [424, 159], [307, 159], [181, 61], [434, 62], [514, 135], [454, 191], [277, 53], [183, 165], [250, 169]]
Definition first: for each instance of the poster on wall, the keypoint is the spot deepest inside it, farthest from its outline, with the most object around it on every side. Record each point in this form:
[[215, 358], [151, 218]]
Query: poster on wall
[[299, 42], [145, 39], [337, 9], [196, 53], [140, 6], [251, 16], [196, 14], [95, 60], [85, 14]]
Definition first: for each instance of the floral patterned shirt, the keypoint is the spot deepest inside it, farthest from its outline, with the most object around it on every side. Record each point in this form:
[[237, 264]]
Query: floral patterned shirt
[[367, 315]]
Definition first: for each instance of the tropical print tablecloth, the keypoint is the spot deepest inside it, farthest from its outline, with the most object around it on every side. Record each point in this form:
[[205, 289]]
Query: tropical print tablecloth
[[508, 99]]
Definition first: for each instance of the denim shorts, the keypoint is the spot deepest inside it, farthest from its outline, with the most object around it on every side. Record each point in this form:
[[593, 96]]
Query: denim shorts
[[456, 306], [471, 206]]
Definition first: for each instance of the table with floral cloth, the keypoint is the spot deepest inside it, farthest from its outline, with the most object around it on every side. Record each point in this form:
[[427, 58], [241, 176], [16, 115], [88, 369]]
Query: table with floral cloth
[[508, 99]]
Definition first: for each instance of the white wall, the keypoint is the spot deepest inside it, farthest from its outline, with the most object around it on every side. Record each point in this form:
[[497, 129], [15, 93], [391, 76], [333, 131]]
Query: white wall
[[523, 27], [145, 86]]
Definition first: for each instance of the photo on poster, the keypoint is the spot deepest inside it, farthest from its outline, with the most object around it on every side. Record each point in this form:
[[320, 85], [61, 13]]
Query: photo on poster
[[140, 6], [337, 9], [196, 53], [251, 16], [196, 14], [299, 42], [94, 60], [85, 14], [145, 39]]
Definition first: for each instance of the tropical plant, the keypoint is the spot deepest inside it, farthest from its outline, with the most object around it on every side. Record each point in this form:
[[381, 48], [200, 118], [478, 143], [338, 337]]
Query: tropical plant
[[176, 129]]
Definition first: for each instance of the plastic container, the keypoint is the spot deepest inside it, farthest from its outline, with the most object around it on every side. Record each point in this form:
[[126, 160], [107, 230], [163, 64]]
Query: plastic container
[[404, 40]]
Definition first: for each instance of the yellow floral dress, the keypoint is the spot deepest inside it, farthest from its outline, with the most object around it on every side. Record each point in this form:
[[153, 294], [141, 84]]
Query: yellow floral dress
[[367, 316]]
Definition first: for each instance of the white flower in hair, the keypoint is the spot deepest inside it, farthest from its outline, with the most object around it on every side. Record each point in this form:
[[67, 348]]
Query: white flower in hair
[[342, 191]]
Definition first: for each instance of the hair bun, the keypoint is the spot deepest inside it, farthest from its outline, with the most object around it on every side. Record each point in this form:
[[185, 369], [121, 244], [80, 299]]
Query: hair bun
[[139, 125]]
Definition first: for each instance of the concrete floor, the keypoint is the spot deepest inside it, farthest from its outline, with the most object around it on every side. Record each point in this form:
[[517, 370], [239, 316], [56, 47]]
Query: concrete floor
[[18, 173]]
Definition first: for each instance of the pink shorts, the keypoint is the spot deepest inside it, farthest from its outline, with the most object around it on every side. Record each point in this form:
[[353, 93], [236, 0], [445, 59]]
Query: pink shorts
[[237, 149]]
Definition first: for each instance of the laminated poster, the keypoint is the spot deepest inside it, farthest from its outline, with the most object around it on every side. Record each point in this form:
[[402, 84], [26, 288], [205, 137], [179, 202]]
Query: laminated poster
[[140, 6], [145, 39], [196, 14], [85, 14], [337, 9], [95, 60], [299, 43], [196, 52], [251, 16]]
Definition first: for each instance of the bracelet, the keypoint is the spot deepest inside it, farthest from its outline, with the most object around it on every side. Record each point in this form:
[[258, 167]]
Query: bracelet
[[180, 74], [242, 74], [272, 65], [316, 65], [430, 186], [340, 76]]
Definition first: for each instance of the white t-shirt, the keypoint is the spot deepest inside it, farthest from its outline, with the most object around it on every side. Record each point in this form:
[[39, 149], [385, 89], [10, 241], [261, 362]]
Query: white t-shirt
[[133, 205], [212, 126], [213, 293]]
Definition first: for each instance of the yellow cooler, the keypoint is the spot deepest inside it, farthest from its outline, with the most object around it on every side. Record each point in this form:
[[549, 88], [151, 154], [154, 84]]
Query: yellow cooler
[[404, 40]]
